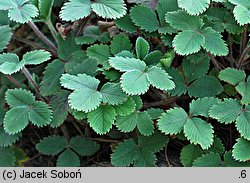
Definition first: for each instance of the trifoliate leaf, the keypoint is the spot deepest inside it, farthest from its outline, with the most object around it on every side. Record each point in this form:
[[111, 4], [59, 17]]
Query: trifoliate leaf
[[52, 145], [127, 123], [19, 11], [125, 23], [102, 119], [142, 48], [36, 57], [9, 63], [194, 71], [91, 34], [135, 82], [100, 52], [68, 159], [6, 139], [241, 150], [83, 146], [109, 9], [120, 43], [182, 21], [145, 18], [40, 114], [125, 108], [226, 111], [194, 7], [243, 123], [180, 86], [59, 105], [190, 153], [208, 160], [19, 98], [164, 7], [7, 157], [214, 43], [188, 42], [112, 94], [6, 34], [199, 132], [51, 79], [15, 120], [173, 121], [127, 64], [145, 124], [75, 9], [165, 83], [232, 76], [243, 88], [206, 86], [201, 106], [124, 154]]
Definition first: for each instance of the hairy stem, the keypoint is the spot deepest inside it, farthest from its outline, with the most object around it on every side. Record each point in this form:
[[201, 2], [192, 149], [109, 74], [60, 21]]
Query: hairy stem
[[242, 57], [52, 29], [215, 62], [42, 36], [13, 80]]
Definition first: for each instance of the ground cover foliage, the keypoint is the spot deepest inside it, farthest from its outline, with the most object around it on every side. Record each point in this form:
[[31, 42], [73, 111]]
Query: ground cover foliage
[[125, 83]]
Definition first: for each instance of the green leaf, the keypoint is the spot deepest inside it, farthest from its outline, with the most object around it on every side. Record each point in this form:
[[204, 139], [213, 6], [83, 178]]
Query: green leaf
[[145, 124], [102, 119], [87, 66], [75, 9], [144, 158], [59, 105], [173, 121], [8, 140], [229, 161], [52, 145], [20, 11], [83, 146], [145, 18], [243, 123], [6, 34], [155, 113], [36, 57], [208, 160], [214, 42], [112, 94], [165, 83], [142, 48], [68, 159], [135, 82], [9, 63], [164, 7], [216, 147], [119, 43], [153, 57], [109, 9], [243, 88], [206, 86], [125, 23], [127, 123], [182, 21], [45, 8], [91, 34], [226, 111], [194, 71], [194, 7], [40, 114], [201, 106], [7, 157], [15, 120], [51, 79], [19, 98], [242, 14], [124, 154], [188, 42], [180, 86], [241, 150], [100, 52], [199, 132], [125, 108], [189, 153], [232, 76]]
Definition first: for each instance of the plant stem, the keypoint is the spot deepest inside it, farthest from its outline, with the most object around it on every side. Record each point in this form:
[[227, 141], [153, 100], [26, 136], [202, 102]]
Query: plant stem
[[242, 57], [214, 61], [42, 36], [84, 23], [243, 40], [14, 81], [52, 29]]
